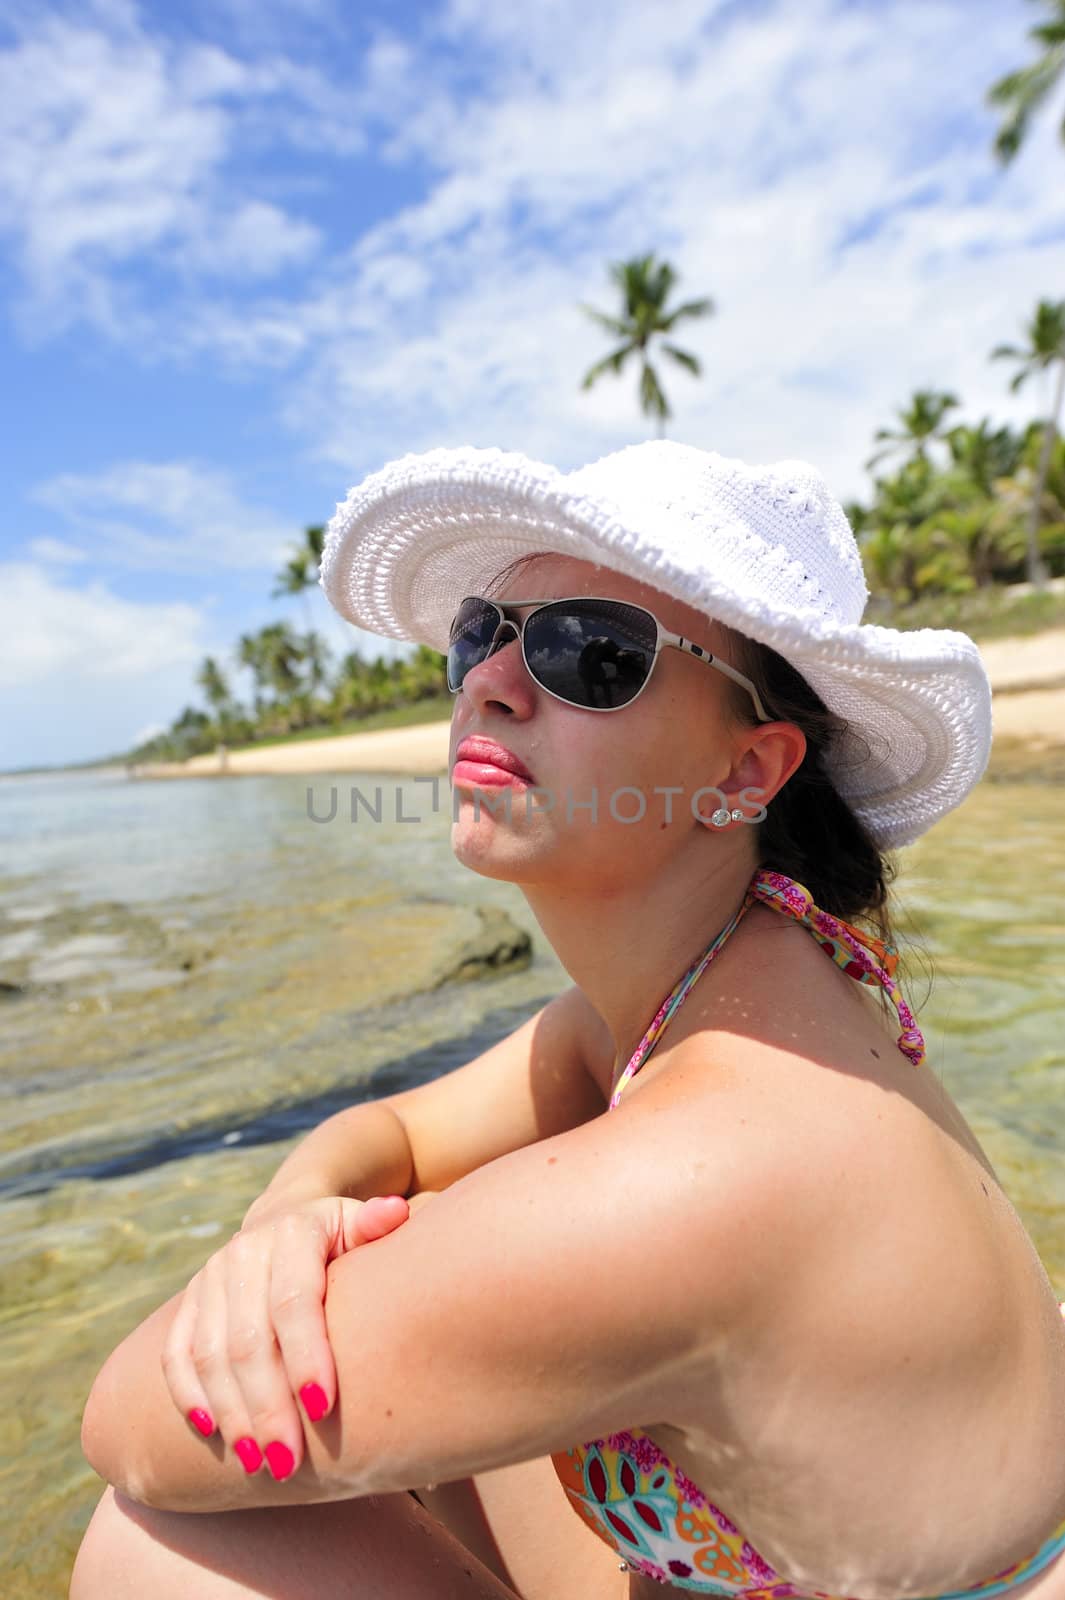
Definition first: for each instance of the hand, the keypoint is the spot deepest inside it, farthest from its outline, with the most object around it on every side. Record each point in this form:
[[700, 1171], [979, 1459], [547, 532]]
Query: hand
[[250, 1332]]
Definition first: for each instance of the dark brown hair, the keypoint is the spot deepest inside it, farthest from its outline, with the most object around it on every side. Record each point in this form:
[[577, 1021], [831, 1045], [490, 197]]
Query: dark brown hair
[[809, 832]]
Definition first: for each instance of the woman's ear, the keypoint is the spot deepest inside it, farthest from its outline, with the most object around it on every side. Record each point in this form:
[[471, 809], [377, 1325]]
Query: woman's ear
[[774, 750]]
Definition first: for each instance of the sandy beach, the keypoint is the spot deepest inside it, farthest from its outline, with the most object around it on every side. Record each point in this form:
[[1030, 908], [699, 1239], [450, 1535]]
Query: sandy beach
[[1028, 705]]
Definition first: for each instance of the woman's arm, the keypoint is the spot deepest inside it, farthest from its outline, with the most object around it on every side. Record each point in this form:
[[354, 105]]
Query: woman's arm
[[569, 1289], [360, 1152]]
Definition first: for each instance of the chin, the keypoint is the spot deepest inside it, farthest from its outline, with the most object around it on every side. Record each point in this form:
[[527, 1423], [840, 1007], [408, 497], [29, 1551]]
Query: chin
[[492, 847]]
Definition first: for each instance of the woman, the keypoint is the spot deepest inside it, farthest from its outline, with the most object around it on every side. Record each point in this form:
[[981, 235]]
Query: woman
[[732, 1303]]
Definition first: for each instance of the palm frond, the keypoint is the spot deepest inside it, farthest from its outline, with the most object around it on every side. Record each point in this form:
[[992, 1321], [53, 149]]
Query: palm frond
[[614, 325], [1049, 34], [684, 359], [1023, 91], [611, 363], [690, 308], [651, 397]]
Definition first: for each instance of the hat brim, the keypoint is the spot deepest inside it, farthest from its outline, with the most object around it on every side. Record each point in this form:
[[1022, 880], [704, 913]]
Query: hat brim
[[411, 540]]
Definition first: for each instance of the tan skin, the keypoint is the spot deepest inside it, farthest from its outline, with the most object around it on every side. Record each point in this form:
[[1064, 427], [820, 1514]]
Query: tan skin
[[953, 1311], [881, 1407]]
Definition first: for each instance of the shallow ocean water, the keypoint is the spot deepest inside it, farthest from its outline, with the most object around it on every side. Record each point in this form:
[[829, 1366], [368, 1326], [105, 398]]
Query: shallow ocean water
[[193, 973]]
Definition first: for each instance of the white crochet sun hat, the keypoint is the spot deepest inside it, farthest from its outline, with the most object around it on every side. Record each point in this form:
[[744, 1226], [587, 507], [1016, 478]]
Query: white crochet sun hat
[[765, 549]]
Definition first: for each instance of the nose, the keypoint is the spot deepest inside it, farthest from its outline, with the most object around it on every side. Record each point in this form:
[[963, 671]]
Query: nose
[[501, 678]]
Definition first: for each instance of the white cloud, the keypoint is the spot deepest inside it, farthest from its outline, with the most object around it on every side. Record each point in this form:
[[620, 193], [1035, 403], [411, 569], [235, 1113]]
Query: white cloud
[[51, 630], [56, 551], [83, 669], [748, 153], [257, 241], [815, 169], [168, 516], [115, 150]]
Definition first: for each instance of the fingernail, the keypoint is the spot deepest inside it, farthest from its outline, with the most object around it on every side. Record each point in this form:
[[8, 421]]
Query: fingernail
[[314, 1400], [251, 1457], [279, 1459], [201, 1420]]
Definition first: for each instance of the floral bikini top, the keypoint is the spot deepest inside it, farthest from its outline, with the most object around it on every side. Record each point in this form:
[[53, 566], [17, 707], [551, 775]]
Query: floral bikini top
[[624, 1487]]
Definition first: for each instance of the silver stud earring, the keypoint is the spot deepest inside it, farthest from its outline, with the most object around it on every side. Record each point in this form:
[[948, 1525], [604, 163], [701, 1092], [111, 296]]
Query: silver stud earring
[[721, 818]]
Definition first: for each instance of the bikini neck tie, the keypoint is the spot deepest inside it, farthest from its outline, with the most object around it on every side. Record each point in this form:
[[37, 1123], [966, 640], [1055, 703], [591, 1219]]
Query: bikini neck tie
[[860, 955]]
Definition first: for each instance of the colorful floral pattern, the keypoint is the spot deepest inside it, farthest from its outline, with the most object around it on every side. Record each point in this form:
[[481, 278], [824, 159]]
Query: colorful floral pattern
[[630, 1493], [625, 1487]]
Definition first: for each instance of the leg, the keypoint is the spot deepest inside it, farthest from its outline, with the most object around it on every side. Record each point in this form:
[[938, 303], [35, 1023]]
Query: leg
[[517, 1521], [380, 1546]]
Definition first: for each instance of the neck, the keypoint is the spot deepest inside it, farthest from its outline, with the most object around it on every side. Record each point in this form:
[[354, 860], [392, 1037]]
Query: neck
[[627, 946]]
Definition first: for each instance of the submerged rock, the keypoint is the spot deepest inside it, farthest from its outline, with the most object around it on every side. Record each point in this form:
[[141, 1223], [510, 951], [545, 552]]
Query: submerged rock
[[499, 944]]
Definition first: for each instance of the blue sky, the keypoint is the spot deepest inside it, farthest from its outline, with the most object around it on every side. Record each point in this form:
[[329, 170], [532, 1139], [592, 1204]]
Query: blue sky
[[252, 249]]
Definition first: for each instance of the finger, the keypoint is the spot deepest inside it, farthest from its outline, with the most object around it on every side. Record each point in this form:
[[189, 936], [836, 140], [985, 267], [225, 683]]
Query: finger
[[298, 1282], [298, 1294], [181, 1376], [376, 1217], [210, 1355], [363, 1221], [254, 1357]]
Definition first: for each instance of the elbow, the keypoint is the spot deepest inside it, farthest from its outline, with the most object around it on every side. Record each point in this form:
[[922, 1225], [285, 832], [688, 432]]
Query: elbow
[[101, 1446], [94, 1441]]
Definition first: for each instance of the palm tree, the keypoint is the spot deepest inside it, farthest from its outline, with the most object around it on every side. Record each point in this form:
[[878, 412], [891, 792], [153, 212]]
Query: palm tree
[[893, 533], [316, 660], [251, 654], [295, 578], [211, 680], [645, 286], [283, 656], [922, 424], [984, 454], [1046, 345], [191, 732], [300, 573], [1021, 93]]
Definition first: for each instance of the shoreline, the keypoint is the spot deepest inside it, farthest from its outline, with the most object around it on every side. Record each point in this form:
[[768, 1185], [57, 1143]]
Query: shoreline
[[1027, 714], [420, 748]]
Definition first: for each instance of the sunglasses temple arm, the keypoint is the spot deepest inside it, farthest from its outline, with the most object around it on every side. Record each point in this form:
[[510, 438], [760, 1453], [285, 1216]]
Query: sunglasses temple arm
[[738, 677], [722, 666]]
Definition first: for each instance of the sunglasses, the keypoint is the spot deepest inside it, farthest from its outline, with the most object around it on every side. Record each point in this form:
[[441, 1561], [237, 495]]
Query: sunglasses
[[587, 651]]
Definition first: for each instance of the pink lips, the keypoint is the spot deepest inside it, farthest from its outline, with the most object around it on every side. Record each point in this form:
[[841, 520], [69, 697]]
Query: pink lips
[[478, 752]]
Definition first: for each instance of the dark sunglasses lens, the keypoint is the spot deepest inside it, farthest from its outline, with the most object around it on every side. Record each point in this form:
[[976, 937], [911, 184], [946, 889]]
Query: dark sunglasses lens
[[471, 638], [593, 653]]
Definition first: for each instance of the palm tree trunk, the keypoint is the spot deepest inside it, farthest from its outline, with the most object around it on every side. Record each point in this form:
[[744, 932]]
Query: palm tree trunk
[[1037, 572]]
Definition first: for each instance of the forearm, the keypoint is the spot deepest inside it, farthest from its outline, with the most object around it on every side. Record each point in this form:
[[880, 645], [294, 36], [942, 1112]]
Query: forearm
[[358, 1153]]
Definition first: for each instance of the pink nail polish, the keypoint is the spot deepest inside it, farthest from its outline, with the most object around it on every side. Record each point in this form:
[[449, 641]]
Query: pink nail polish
[[201, 1420], [314, 1400], [251, 1457], [279, 1459]]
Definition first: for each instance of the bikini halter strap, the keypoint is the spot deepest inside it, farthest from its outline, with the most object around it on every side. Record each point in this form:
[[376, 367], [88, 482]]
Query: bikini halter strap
[[860, 956]]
